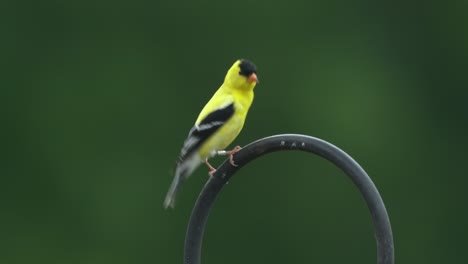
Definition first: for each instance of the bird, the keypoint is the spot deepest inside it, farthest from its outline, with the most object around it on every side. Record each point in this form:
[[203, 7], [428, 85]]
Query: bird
[[217, 125]]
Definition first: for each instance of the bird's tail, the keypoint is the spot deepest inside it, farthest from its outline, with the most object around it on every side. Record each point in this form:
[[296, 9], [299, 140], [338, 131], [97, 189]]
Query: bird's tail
[[183, 171], [173, 190]]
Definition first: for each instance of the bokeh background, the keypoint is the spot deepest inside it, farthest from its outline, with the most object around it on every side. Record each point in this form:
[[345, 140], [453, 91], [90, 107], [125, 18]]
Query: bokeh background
[[98, 96]]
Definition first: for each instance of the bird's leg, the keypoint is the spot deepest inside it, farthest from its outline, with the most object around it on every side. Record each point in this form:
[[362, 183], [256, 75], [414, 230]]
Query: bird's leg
[[212, 169], [231, 155]]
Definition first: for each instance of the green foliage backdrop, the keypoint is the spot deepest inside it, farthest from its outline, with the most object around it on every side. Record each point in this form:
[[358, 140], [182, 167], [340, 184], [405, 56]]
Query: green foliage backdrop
[[98, 97]]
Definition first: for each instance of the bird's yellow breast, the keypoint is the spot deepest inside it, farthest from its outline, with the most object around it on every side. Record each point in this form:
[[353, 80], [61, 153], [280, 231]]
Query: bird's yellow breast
[[230, 130]]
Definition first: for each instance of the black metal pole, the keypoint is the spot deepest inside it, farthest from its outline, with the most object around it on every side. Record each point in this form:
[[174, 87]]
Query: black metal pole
[[383, 230]]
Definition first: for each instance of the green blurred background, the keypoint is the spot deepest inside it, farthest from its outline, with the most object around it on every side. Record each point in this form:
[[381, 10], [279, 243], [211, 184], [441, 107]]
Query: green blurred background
[[98, 97]]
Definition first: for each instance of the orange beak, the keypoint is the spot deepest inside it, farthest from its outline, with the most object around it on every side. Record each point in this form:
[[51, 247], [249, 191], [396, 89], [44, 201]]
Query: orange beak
[[253, 78]]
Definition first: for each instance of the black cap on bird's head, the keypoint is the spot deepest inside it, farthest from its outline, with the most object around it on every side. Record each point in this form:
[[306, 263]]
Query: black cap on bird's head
[[248, 69]]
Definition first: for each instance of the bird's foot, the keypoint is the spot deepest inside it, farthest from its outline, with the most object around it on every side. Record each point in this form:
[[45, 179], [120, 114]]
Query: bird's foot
[[231, 155], [212, 169]]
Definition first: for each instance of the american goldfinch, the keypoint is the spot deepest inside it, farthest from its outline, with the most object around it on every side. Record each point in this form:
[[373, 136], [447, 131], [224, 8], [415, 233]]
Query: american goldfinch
[[218, 124]]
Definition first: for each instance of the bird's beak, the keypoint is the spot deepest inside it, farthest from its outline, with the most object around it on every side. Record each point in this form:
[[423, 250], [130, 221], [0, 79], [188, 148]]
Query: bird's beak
[[253, 78]]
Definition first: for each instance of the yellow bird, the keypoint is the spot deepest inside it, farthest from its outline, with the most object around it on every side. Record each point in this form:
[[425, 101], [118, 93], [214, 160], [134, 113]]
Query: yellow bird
[[218, 124]]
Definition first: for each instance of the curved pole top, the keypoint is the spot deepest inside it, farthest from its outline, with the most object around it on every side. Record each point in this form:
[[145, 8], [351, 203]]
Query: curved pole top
[[381, 221]]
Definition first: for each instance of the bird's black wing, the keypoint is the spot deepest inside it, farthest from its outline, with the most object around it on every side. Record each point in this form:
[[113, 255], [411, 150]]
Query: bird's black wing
[[205, 129]]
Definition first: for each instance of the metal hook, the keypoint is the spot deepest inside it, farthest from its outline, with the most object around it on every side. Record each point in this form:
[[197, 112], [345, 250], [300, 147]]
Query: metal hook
[[383, 230]]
